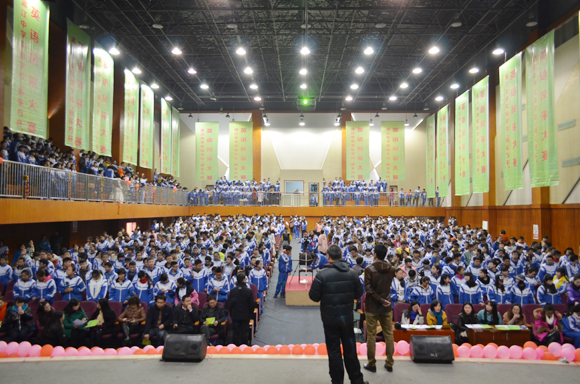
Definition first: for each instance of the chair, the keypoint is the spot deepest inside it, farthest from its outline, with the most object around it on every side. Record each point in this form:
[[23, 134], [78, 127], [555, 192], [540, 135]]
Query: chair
[[9, 296], [503, 308], [528, 310], [224, 330], [202, 296], [57, 296], [33, 304], [59, 305], [561, 308], [424, 310], [259, 309], [117, 307], [478, 307], [10, 285], [452, 311], [398, 311], [145, 306], [89, 307]]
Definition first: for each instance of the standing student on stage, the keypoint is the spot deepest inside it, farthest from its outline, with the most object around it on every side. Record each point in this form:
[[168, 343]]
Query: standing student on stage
[[284, 268]]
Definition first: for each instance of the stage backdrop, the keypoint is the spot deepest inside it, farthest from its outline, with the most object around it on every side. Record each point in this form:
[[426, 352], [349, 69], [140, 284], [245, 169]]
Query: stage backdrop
[[393, 151], [480, 125], [462, 174], [131, 119], [357, 150], [206, 151], [241, 154], [443, 151], [102, 101]]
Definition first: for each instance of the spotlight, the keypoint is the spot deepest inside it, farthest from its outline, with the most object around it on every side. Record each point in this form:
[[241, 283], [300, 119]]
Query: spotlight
[[241, 51], [303, 85], [191, 71], [404, 85], [154, 86], [474, 70], [417, 70], [248, 71], [498, 51], [439, 98], [348, 98], [434, 50], [454, 86], [176, 51], [393, 98], [136, 70], [254, 86], [305, 51], [369, 51], [114, 51], [406, 123], [204, 86], [257, 98], [354, 86], [302, 123], [371, 124], [359, 70], [303, 71], [168, 98]]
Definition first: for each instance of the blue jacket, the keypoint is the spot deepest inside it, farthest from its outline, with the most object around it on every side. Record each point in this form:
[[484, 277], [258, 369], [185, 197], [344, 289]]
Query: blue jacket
[[444, 295], [24, 289], [199, 280], [144, 291], [169, 288], [500, 297], [546, 297], [120, 291], [45, 290], [522, 297], [78, 286], [259, 279], [422, 295], [285, 263], [95, 295], [469, 294], [223, 285], [320, 262], [5, 274]]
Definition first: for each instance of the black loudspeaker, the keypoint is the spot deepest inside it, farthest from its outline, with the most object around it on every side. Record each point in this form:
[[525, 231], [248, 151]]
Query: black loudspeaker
[[184, 348], [431, 349]]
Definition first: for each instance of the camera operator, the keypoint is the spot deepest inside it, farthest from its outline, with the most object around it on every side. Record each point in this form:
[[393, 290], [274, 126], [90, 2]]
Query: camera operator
[[319, 261]]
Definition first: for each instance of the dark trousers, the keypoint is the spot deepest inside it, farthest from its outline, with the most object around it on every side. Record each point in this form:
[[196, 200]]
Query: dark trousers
[[335, 335], [241, 332], [185, 330]]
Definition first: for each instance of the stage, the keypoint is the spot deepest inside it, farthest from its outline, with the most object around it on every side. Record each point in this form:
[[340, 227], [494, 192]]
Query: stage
[[297, 292]]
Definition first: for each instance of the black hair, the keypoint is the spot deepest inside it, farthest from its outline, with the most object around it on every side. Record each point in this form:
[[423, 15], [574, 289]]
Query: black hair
[[71, 304], [494, 314]]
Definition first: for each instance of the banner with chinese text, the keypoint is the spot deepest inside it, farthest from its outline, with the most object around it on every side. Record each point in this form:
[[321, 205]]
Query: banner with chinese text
[[431, 156], [131, 119], [175, 140], [393, 151], [78, 88], [165, 137], [30, 68], [241, 156], [443, 151], [206, 144], [357, 150], [102, 101], [510, 83], [462, 166], [542, 146], [480, 126], [146, 123]]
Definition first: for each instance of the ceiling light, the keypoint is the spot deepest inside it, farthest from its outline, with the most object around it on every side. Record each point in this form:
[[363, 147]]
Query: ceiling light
[[417, 70], [304, 26], [248, 71], [302, 123], [415, 115], [257, 98], [354, 86], [254, 86], [267, 123], [434, 49], [456, 24], [380, 25], [393, 98], [305, 51], [454, 86], [369, 51], [204, 86], [439, 98], [404, 85], [474, 70], [154, 86], [348, 98], [336, 123], [191, 71], [232, 26], [371, 124], [498, 51], [531, 23], [114, 51], [190, 115], [227, 115], [303, 71], [168, 98], [85, 26], [157, 26], [136, 71], [406, 123], [241, 51], [176, 51], [303, 86], [376, 115], [426, 107], [359, 70]]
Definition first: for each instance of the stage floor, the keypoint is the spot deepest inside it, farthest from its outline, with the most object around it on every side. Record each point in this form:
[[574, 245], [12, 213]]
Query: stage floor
[[297, 291]]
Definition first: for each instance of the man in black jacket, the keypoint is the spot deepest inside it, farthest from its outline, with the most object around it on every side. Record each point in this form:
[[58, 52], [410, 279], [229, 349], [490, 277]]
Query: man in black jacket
[[185, 315], [241, 308], [158, 321], [336, 287], [214, 311]]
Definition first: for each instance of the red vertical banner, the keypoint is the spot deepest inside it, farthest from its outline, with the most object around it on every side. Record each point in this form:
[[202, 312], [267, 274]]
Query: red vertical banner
[[357, 150], [206, 143]]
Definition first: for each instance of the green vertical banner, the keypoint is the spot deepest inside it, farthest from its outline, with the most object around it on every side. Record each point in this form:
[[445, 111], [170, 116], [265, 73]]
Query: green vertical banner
[[357, 150], [30, 68], [206, 144], [542, 146], [430, 156], [146, 123], [131, 119], [241, 155], [103, 70], [443, 151], [175, 140], [480, 125], [510, 83], [462, 165], [165, 137], [78, 88], [393, 151]]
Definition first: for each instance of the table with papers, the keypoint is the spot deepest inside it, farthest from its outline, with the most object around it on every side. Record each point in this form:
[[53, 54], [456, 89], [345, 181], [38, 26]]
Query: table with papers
[[421, 330], [507, 335]]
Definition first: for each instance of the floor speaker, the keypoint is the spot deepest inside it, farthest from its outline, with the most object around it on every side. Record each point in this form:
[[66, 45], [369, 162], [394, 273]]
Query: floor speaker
[[184, 348], [431, 349]]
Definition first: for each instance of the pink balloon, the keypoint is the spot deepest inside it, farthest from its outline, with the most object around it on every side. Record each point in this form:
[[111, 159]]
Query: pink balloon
[[503, 352], [516, 352], [133, 349], [24, 348], [363, 349], [489, 352], [3, 345], [230, 346], [463, 352], [11, 348], [254, 347], [84, 351], [34, 351], [568, 354], [58, 352], [529, 353], [565, 346], [539, 353], [476, 352], [147, 347], [160, 349], [218, 347], [555, 348], [243, 346], [125, 351], [71, 352], [98, 352], [110, 352], [278, 346], [315, 345], [380, 350], [303, 345], [402, 347], [265, 347]]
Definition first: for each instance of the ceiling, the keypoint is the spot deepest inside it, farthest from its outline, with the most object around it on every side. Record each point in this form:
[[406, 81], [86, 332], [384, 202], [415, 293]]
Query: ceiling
[[208, 32]]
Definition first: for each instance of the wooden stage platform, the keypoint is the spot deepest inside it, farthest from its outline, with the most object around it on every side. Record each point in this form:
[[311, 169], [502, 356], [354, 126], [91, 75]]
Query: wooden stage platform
[[297, 291]]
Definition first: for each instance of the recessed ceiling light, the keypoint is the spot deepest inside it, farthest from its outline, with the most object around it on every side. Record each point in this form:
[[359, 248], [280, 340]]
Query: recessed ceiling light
[[302, 123], [154, 86], [267, 123], [232, 26], [114, 51], [336, 123], [191, 71], [380, 25], [404, 85], [241, 51], [454, 86], [257, 98], [204, 86], [359, 70], [248, 71], [354, 86], [168, 98], [176, 51], [369, 51], [348, 98], [406, 123], [393, 98], [305, 51], [136, 70], [371, 124], [531, 23], [157, 26], [303, 71], [474, 70], [498, 51], [85, 26], [439, 98], [254, 86], [303, 85], [417, 70], [434, 49], [456, 24], [303, 26]]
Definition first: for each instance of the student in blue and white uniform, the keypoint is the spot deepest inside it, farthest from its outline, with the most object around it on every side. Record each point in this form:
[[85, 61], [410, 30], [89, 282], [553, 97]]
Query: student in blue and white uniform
[[469, 291], [319, 261], [121, 288], [97, 287], [45, 287], [498, 292], [423, 293], [143, 288], [152, 270], [444, 292], [72, 287], [548, 293], [219, 285], [521, 292], [166, 287], [548, 267], [25, 286], [5, 271], [259, 278], [284, 268]]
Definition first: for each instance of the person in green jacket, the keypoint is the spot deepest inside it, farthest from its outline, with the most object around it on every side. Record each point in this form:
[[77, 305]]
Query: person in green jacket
[[75, 333], [489, 315]]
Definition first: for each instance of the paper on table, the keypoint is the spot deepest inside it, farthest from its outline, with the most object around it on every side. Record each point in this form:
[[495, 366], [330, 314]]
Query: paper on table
[[502, 327], [513, 327], [79, 322], [474, 326], [92, 323], [438, 327], [485, 326]]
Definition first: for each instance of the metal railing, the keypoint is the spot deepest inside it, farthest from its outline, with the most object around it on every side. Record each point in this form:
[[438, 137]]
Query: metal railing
[[26, 181]]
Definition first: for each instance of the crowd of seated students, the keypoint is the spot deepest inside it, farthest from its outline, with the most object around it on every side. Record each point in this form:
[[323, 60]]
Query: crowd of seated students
[[178, 263]]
